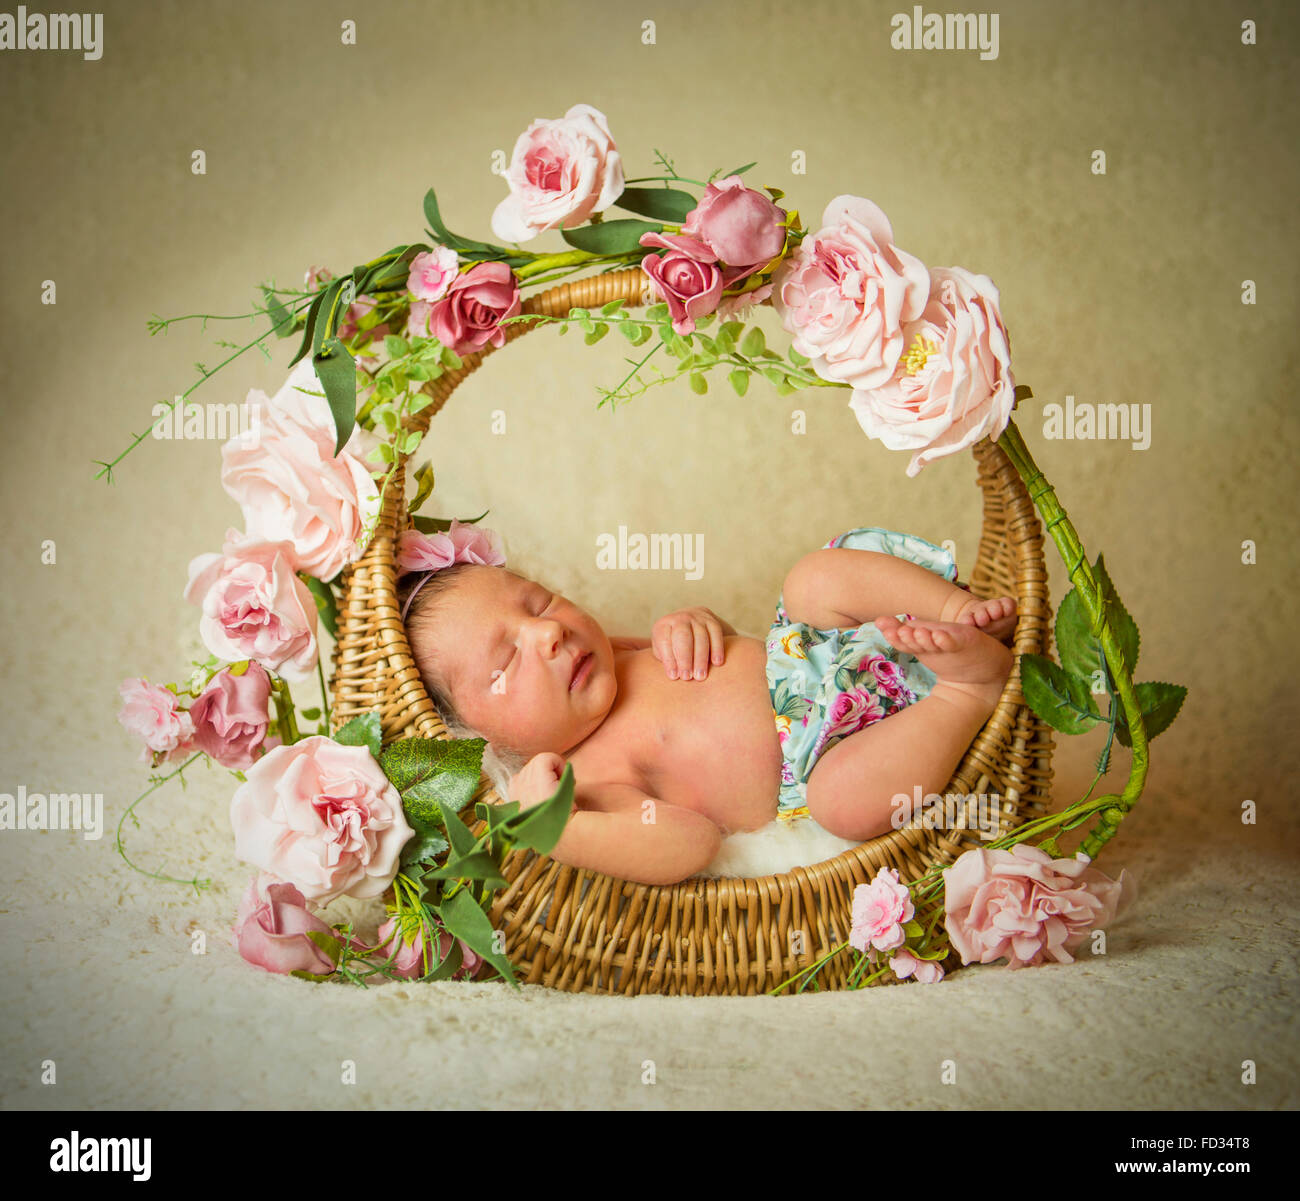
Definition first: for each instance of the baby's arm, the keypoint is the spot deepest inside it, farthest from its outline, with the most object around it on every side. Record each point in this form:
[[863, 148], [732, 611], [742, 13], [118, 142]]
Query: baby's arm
[[619, 831]]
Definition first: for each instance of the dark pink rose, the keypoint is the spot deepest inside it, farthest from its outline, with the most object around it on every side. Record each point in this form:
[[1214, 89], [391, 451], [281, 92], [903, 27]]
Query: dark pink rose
[[468, 317], [271, 929], [742, 227], [230, 717], [687, 278]]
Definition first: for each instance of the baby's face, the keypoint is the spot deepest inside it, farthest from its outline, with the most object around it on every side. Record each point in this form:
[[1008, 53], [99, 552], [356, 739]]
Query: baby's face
[[508, 649]]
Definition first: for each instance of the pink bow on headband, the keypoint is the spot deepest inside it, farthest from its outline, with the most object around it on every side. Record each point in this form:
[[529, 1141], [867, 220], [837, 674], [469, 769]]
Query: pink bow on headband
[[417, 551]]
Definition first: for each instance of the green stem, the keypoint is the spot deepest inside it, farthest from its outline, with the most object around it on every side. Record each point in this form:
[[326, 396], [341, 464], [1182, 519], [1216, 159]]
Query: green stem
[[324, 692], [568, 258], [284, 713], [1058, 524], [197, 884]]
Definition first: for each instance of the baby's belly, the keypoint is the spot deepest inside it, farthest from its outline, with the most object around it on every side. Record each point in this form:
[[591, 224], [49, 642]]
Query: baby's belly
[[714, 746]]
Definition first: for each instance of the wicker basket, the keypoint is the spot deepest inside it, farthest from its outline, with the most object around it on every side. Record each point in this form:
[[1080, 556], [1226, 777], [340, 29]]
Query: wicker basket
[[576, 930]]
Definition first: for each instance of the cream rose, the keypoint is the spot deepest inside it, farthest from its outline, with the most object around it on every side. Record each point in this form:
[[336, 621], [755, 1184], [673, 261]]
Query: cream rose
[[289, 483], [846, 292], [323, 817], [953, 385]]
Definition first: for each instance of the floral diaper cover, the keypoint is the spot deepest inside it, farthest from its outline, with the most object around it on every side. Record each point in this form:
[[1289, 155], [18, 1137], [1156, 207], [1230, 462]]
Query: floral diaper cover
[[827, 684]]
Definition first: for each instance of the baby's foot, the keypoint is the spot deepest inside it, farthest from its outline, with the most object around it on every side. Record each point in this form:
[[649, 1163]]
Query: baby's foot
[[996, 617], [961, 655]]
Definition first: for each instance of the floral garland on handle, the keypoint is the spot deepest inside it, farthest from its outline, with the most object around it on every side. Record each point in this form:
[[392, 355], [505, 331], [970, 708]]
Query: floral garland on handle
[[927, 358]]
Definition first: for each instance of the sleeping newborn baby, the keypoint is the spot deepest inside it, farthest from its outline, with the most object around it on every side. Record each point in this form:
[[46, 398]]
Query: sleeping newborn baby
[[874, 678]]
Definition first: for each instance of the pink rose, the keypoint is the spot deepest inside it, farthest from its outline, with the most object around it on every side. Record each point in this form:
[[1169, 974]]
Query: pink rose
[[254, 606], [879, 911], [888, 676], [289, 483], [409, 960], [953, 385], [153, 714], [271, 929], [926, 971], [230, 717], [417, 320], [742, 227], [1025, 905], [468, 317], [560, 173], [432, 273], [322, 816], [687, 278], [846, 292], [850, 711]]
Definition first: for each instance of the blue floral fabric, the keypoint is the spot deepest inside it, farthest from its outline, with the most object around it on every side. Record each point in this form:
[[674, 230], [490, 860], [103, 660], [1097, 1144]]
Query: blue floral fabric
[[827, 684]]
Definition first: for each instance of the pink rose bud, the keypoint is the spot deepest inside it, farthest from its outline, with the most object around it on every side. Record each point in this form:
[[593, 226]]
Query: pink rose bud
[[686, 278], [742, 227], [154, 715], [271, 929], [467, 318], [230, 717]]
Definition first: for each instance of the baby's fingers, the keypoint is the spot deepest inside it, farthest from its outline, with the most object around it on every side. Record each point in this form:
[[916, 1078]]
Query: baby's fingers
[[681, 663]]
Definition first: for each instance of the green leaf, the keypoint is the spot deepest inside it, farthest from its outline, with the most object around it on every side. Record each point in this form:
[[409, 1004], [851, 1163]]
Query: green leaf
[[309, 328], [739, 380], [663, 204], [478, 866], [396, 347], [657, 312], [429, 772], [1063, 701], [462, 918], [332, 309], [1021, 392], [1123, 626], [796, 358], [913, 929], [434, 525], [539, 827], [338, 376], [327, 943], [699, 384], [326, 604], [423, 486], [610, 237], [739, 170], [632, 331], [596, 334], [753, 343], [310, 714], [426, 845], [613, 307], [1076, 645], [365, 731], [1160, 704], [467, 247], [281, 318]]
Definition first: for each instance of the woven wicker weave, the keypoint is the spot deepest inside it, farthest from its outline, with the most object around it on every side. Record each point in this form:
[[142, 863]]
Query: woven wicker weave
[[576, 930]]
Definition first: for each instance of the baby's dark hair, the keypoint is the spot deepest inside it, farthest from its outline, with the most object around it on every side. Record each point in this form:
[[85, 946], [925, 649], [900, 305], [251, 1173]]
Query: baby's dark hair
[[500, 762]]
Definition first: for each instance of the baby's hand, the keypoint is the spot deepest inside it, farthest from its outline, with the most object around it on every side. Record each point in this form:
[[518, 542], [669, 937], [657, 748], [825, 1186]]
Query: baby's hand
[[537, 780], [682, 642]]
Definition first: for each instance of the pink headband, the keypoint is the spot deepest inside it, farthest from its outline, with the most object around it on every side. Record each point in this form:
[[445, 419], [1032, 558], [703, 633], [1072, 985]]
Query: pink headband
[[431, 553]]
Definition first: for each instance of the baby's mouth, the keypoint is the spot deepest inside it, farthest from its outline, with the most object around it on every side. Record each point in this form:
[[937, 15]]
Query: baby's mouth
[[580, 671]]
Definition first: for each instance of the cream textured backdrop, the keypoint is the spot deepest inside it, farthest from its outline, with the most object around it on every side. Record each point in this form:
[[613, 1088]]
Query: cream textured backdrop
[[1117, 288]]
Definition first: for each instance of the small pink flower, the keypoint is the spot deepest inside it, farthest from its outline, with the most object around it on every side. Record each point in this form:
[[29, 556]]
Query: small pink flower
[[417, 551], [879, 911], [1027, 906], [687, 278], [230, 717], [737, 308], [271, 929], [409, 960], [153, 713], [561, 171], [432, 273], [468, 316], [741, 226], [417, 320], [926, 971], [315, 277]]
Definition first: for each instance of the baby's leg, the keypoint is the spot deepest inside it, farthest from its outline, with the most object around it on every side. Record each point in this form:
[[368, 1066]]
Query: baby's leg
[[853, 787], [842, 586]]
